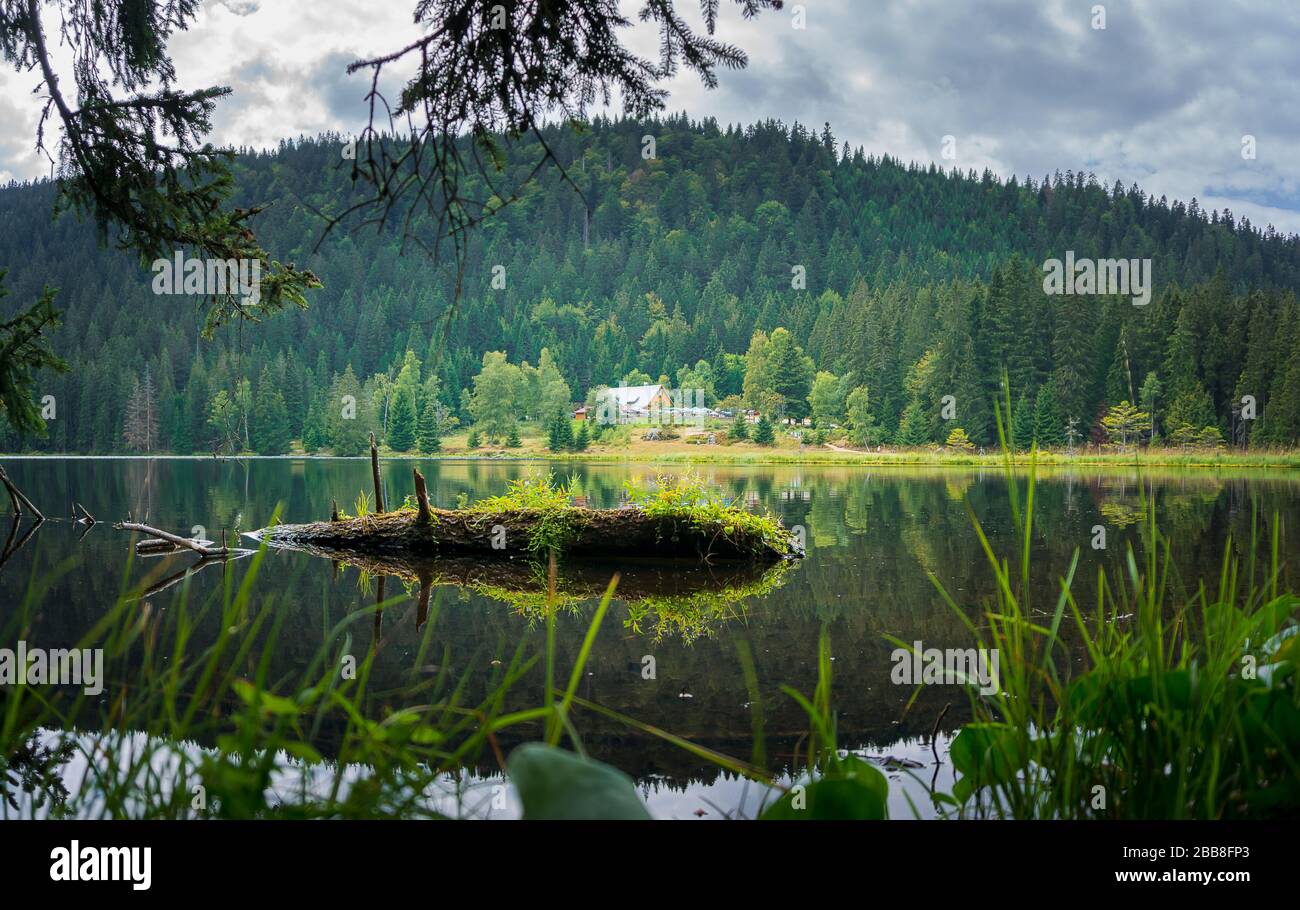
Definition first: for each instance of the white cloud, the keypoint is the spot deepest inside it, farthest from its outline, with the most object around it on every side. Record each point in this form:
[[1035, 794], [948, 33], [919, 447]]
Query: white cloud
[[1161, 96]]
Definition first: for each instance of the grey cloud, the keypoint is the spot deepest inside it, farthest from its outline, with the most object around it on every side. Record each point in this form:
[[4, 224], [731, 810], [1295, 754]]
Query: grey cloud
[[1161, 97]]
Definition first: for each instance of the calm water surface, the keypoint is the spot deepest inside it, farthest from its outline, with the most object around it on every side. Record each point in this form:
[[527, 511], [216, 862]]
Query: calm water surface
[[874, 536]]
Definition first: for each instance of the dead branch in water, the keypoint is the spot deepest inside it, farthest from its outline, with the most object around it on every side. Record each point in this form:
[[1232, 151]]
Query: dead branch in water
[[152, 546], [374, 470], [934, 734], [421, 496], [177, 540], [19, 498]]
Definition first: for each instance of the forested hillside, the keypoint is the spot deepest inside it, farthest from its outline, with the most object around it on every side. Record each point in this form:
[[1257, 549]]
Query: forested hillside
[[907, 282]]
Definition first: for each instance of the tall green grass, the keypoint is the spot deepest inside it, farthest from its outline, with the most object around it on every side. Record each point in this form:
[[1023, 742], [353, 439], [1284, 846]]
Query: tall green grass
[[196, 730], [1159, 699]]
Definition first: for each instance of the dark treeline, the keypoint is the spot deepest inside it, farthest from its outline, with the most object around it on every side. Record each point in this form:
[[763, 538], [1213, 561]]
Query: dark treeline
[[911, 281]]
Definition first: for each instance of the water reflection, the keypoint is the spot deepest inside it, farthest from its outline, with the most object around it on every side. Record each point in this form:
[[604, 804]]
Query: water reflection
[[874, 536]]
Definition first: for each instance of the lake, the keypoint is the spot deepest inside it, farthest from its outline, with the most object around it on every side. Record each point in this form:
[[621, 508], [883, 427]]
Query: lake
[[874, 536]]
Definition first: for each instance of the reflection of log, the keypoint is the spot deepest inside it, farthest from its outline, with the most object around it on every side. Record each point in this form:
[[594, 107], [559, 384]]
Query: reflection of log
[[639, 579], [174, 578], [580, 532], [10, 547]]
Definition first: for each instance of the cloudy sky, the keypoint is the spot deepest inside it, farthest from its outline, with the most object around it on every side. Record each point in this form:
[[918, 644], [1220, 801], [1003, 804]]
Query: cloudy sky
[[1163, 95]]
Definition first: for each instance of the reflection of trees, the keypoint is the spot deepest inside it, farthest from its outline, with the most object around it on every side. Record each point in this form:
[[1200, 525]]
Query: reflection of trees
[[862, 578], [680, 598], [36, 770], [1121, 514], [857, 507]]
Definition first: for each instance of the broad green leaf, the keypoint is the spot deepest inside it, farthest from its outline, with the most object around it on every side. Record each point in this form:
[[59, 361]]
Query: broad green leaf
[[986, 755], [855, 798], [555, 784]]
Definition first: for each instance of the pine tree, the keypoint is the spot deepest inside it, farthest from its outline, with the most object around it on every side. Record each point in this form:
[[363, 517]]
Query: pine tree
[[429, 435], [1190, 411], [1049, 418], [402, 420], [863, 430], [958, 439], [347, 416], [512, 437], [26, 346], [564, 433], [739, 431], [271, 433], [471, 442], [1022, 425], [791, 372], [313, 428], [764, 432], [1191, 406], [1075, 360], [583, 439], [1125, 422], [141, 423], [913, 429], [1149, 398]]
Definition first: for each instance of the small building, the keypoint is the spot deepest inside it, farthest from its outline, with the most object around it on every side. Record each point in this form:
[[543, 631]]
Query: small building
[[580, 414], [631, 403], [636, 398]]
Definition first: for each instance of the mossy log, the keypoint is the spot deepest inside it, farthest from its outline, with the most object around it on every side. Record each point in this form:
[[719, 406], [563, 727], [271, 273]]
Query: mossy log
[[624, 533], [627, 532]]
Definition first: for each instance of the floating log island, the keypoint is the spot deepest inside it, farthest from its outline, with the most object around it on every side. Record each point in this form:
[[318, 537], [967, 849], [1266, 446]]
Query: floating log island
[[512, 533], [489, 530], [682, 559], [680, 597], [580, 532]]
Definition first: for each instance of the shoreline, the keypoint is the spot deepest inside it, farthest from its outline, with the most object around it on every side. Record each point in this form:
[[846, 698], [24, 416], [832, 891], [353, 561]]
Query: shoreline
[[839, 458]]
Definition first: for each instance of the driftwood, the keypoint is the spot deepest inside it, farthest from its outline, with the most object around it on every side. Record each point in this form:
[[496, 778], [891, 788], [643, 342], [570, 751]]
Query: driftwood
[[153, 546], [374, 470], [202, 548], [19, 498]]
